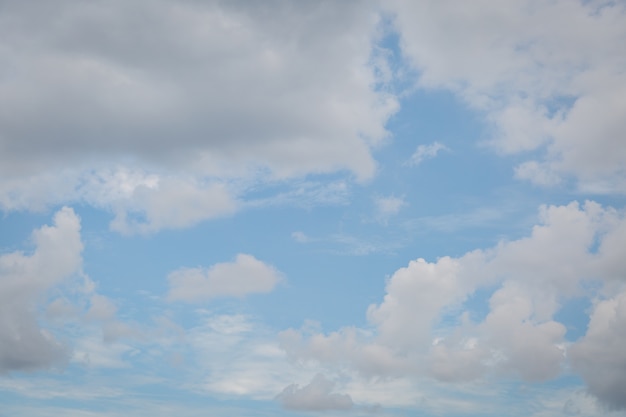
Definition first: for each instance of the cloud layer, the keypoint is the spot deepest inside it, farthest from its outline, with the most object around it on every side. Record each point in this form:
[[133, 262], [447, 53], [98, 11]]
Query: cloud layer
[[89, 87]]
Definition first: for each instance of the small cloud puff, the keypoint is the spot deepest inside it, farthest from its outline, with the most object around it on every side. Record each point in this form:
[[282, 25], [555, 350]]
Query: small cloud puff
[[246, 275], [424, 152]]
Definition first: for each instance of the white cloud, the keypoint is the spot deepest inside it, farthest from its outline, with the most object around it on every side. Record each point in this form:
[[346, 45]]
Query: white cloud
[[172, 203], [424, 152], [246, 275], [318, 395], [531, 347], [548, 76], [142, 202], [282, 89], [424, 326], [538, 173], [414, 297], [24, 280]]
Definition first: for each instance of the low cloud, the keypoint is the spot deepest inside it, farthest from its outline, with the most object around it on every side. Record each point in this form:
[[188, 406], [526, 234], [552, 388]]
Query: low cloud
[[24, 280], [318, 395], [600, 357], [557, 89], [311, 103], [426, 325], [245, 275]]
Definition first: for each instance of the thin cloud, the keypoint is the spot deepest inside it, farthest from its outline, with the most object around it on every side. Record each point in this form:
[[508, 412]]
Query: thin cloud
[[424, 152]]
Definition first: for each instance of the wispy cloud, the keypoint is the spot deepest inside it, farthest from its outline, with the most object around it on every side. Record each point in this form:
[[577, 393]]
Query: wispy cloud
[[424, 152]]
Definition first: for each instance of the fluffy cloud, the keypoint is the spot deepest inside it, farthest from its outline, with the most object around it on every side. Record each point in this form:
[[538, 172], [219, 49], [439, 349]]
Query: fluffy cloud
[[415, 295], [600, 357], [246, 275], [317, 395], [425, 325], [215, 90], [24, 280], [558, 88]]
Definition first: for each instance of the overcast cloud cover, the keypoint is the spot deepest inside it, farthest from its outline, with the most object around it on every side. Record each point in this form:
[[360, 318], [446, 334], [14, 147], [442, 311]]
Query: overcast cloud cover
[[321, 208]]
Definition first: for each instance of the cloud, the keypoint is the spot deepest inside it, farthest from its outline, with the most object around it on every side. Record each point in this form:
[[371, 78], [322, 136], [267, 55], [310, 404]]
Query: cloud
[[171, 203], [538, 173], [388, 206], [599, 356], [271, 91], [316, 396], [424, 152], [300, 237], [428, 323], [24, 280], [246, 275], [555, 88], [237, 355]]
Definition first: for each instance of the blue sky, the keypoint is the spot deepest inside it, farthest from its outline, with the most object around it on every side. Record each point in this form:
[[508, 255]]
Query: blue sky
[[399, 208]]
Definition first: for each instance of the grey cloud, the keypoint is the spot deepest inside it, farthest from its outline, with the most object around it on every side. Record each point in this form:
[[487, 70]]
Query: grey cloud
[[318, 395], [211, 84], [24, 344], [599, 356], [192, 95]]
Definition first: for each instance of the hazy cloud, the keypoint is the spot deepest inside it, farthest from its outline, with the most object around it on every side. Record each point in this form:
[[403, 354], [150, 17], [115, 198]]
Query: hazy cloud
[[388, 206], [316, 396]]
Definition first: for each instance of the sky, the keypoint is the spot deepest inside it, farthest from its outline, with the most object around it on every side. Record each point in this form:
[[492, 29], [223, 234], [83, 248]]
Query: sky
[[333, 208]]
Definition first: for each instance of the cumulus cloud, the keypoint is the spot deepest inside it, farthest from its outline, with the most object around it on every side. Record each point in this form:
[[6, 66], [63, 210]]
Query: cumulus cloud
[[316, 396], [24, 280], [600, 357], [245, 275], [558, 88], [283, 89], [425, 326]]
